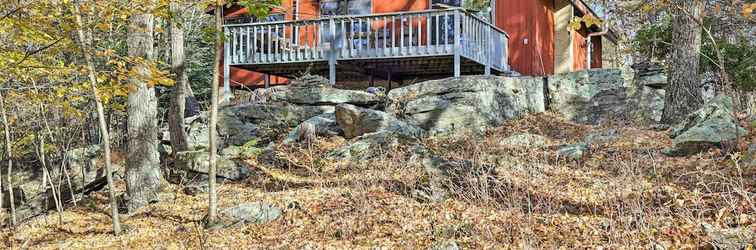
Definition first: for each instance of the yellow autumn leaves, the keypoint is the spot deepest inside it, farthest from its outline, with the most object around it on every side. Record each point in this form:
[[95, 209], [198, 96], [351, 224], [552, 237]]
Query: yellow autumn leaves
[[748, 9], [588, 20]]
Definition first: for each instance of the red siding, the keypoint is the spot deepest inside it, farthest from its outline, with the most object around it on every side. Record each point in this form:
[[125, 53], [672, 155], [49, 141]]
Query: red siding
[[532, 20], [596, 61], [579, 50]]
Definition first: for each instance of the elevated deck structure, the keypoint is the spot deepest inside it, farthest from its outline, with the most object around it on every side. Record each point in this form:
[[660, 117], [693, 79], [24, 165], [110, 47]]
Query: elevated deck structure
[[408, 45]]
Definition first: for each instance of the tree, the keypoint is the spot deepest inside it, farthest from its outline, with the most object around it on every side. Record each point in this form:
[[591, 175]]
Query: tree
[[100, 117], [143, 177], [178, 97], [683, 95], [212, 212], [9, 154]]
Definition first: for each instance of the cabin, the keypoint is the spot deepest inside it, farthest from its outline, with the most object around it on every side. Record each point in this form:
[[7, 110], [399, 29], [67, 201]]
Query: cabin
[[364, 41]]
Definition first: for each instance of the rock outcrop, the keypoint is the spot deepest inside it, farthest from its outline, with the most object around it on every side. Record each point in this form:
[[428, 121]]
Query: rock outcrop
[[286, 108], [321, 125], [470, 103], [356, 121], [710, 126], [197, 162], [246, 213], [590, 96]]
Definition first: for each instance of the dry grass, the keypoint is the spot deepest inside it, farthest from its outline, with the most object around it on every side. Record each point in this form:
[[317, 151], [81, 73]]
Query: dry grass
[[624, 194]]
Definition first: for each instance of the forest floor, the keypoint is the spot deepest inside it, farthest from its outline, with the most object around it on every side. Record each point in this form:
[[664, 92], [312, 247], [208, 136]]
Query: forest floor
[[623, 194]]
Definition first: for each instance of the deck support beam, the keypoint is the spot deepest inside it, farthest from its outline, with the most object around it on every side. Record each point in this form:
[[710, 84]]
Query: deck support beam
[[457, 44]]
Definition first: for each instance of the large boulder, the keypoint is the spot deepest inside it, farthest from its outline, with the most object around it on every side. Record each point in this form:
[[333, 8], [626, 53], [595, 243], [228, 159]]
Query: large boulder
[[198, 162], [264, 122], [286, 107], [470, 103], [646, 104], [246, 213], [357, 121], [321, 125], [710, 126], [589, 96]]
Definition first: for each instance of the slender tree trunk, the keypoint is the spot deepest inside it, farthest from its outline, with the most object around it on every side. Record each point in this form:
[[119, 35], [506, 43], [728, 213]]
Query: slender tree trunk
[[212, 213], [178, 97], [142, 163], [683, 95], [101, 120], [9, 153], [46, 172]]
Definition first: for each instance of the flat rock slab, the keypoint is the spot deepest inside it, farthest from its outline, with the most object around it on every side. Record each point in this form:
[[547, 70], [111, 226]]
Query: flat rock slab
[[251, 212]]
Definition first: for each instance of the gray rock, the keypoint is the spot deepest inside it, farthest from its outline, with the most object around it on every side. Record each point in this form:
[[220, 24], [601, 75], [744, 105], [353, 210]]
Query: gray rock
[[589, 96], [251, 212], [601, 137], [710, 126], [368, 146], [646, 104], [525, 140], [730, 239], [470, 103], [198, 161], [573, 152], [356, 121], [446, 245], [322, 95], [264, 122], [321, 125]]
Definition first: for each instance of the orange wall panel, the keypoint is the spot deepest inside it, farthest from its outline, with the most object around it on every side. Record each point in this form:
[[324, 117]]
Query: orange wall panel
[[530, 25], [596, 61], [579, 49]]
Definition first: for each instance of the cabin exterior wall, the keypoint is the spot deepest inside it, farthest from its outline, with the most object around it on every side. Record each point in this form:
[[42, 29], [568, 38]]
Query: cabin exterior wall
[[530, 25]]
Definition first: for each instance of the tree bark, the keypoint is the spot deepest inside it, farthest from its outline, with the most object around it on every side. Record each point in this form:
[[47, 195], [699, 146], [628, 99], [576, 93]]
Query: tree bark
[[142, 163], [178, 97], [100, 118], [212, 213], [683, 95], [9, 154]]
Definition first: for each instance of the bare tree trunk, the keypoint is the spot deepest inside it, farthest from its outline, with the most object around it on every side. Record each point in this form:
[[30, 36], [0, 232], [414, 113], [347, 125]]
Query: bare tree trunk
[[9, 153], [101, 120], [212, 213], [142, 163], [46, 172], [178, 97], [683, 95]]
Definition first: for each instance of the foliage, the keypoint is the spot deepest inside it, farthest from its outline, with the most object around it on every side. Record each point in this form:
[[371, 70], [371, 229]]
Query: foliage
[[655, 42]]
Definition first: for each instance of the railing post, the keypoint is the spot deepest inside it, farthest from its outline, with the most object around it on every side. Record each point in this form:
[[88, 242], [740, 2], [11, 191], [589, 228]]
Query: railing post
[[226, 66], [457, 43], [489, 55], [332, 52]]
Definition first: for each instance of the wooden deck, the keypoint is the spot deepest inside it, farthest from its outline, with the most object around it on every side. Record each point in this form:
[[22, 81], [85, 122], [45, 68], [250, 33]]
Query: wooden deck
[[423, 44]]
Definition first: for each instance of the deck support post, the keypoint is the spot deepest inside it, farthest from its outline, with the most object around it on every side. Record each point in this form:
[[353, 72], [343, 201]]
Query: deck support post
[[267, 81], [489, 50], [226, 70], [332, 52], [457, 45], [388, 77]]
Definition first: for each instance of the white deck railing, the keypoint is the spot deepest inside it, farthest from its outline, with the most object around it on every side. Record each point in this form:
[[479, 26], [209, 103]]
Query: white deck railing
[[451, 32]]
